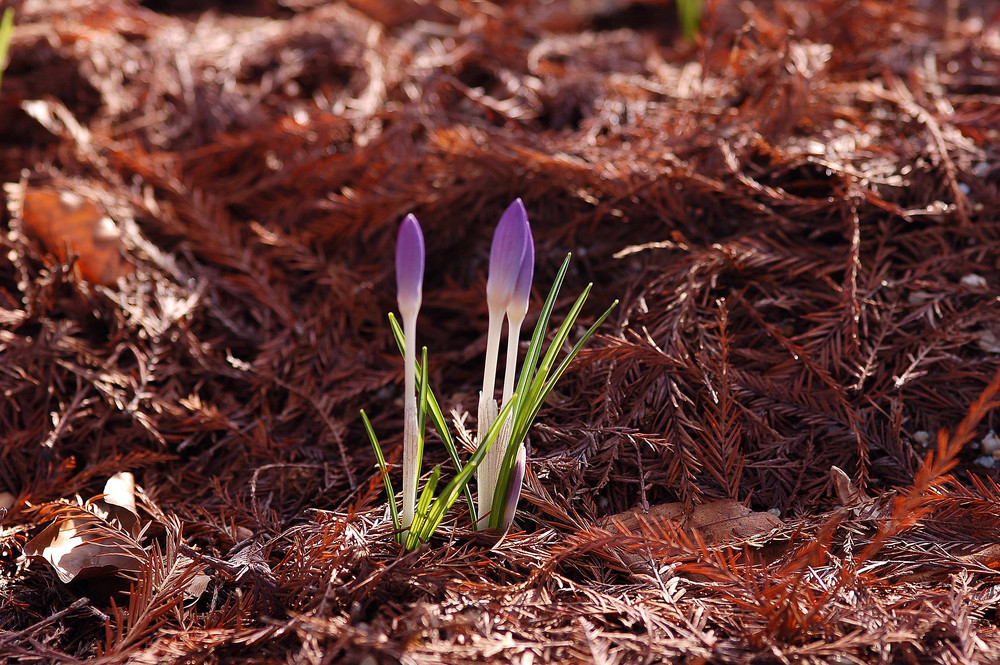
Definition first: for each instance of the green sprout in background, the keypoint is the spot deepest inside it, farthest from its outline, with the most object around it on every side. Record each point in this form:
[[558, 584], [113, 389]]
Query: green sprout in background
[[689, 15], [6, 34]]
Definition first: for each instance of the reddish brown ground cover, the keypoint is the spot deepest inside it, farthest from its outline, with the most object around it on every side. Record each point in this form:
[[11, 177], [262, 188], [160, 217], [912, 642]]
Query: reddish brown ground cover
[[799, 213]]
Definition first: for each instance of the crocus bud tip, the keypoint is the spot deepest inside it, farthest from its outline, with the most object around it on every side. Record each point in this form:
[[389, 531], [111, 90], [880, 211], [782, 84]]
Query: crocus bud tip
[[507, 254], [409, 265], [517, 308]]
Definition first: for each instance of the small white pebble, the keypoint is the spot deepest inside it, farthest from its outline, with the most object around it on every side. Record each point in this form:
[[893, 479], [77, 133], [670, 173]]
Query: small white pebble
[[986, 461], [990, 443], [918, 297], [775, 511], [922, 437], [973, 281], [988, 341]]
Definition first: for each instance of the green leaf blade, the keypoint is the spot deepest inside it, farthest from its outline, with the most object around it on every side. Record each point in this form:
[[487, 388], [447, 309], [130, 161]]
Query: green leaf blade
[[384, 468]]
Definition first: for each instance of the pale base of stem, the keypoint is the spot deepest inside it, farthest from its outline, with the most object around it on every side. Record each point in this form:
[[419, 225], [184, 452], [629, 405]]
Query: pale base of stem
[[411, 444], [486, 475], [492, 463], [411, 435]]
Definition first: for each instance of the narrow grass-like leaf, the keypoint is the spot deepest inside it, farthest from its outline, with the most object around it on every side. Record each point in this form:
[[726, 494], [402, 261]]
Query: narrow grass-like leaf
[[530, 384], [564, 365], [535, 392], [689, 13], [562, 333], [526, 412], [538, 337], [420, 517], [526, 415], [393, 511], [437, 416]]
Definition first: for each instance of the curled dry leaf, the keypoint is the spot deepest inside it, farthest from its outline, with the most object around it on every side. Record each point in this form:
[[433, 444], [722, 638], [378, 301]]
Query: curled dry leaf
[[99, 538], [988, 341], [68, 225], [724, 522], [854, 499], [117, 504], [847, 493], [716, 521], [78, 544], [199, 580]]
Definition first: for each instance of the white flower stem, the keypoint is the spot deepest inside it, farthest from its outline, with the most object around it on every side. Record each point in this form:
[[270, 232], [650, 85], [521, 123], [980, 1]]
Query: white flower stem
[[494, 458], [492, 352], [411, 437], [486, 475], [513, 340]]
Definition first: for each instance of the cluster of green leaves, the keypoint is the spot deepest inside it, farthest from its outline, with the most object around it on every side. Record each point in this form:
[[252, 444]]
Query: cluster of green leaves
[[538, 377], [431, 510], [536, 381]]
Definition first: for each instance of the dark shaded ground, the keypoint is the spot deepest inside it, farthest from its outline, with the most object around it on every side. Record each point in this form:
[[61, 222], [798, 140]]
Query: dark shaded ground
[[799, 213]]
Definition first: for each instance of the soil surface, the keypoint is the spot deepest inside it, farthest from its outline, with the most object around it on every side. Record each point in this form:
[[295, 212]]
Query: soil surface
[[778, 448]]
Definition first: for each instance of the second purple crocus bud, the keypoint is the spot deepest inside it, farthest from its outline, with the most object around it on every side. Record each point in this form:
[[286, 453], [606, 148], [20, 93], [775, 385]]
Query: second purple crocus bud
[[510, 241], [517, 308]]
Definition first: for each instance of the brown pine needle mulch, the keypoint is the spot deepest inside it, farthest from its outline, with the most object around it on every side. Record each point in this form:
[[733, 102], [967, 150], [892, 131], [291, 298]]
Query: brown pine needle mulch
[[799, 213]]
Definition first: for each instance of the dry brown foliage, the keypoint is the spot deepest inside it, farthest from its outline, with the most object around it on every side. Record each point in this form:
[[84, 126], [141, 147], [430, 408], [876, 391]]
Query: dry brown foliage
[[799, 212]]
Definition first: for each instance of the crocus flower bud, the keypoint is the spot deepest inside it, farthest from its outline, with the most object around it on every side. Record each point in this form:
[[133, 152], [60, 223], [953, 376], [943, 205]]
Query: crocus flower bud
[[517, 308], [409, 266], [507, 255], [514, 487]]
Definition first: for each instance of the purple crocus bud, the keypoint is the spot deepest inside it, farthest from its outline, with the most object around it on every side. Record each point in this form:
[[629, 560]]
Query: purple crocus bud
[[514, 488], [517, 308], [409, 266], [507, 255]]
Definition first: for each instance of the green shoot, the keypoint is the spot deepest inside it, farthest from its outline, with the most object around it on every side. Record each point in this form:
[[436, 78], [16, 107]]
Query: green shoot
[[689, 14], [6, 34]]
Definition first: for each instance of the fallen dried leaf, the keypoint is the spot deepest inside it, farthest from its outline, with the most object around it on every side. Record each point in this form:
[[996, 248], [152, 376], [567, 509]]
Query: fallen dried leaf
[[98, 538], [78, 544], [69, 225], [716, 521], [117, 504], [854, 499]]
